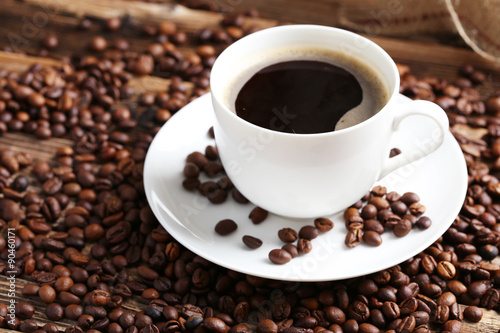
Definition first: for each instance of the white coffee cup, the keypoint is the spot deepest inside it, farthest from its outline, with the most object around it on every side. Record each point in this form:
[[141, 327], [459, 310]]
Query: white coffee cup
[[312, 175]]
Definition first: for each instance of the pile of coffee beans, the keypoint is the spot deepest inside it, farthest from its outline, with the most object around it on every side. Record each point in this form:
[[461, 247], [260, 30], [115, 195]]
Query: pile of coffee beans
[[95, 259], [379, 211]]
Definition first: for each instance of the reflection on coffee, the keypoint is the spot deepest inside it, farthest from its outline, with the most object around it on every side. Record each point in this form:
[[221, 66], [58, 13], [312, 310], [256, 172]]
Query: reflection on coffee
[[305, 96]]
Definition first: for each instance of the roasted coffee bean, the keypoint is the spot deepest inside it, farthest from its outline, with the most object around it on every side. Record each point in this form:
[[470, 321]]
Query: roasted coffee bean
[[28, 325], [198, 159], [73, 311], [279, 256], [423, 222], [369, 211], [292, 249], [358, 311], [252, 242], [308, 232], [215, 325], [372, 238], [47, 294], [402, 228], [238, 197], [391, 310], [54, 312], [417, 209], [353, 238], [24, 310], [288, 235], [258, 215], [409, 198], [374, 225], [473, 314], [379, 203], [323, 224], [225, 227], [446, 270], [191, 170], [304, 246]]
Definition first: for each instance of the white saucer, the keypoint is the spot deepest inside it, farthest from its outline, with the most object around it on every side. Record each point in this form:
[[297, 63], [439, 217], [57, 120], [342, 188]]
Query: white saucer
[[440, 180]]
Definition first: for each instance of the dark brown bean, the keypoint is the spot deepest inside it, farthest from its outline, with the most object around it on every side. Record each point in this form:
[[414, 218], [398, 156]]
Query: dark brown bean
[[279, 256], [288, 235], [252, 242], [308, 232], [304, 245], [323, 224], [258, 215], [372, 238], [225, 227]]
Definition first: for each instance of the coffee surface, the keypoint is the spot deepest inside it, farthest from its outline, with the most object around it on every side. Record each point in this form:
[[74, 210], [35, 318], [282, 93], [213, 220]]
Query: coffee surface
[[300, 96]]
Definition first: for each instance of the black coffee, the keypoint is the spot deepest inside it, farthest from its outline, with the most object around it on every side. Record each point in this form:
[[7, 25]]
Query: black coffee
[[303, 96]]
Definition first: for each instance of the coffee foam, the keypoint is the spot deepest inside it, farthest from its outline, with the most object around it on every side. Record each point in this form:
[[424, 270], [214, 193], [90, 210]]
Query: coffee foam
[[375, 91]]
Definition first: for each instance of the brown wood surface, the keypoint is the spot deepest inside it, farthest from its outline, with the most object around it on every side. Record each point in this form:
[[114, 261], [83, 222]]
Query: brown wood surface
[[64, 15]]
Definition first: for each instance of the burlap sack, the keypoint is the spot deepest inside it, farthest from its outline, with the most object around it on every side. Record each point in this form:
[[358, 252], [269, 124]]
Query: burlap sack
[[476, 21]]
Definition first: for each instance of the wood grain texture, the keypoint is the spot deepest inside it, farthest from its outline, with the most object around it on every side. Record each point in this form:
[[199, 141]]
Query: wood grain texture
[[424, 59]]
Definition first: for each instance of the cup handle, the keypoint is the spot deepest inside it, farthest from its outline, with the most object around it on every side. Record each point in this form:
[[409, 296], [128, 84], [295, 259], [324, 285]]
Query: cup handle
[[417, 108]]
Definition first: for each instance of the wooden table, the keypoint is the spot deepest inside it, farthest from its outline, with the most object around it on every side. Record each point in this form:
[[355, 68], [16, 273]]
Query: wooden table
[[63, 15]]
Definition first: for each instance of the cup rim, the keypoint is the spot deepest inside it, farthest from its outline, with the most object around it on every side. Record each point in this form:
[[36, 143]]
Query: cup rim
[[379, 114]]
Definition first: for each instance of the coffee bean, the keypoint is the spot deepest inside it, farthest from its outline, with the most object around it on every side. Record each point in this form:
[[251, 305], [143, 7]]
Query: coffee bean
[[238, 197], [417, 209], [391, 310], [98, 44], [373, 225], [252, 242], [279, 256], [379, 202], [446, 270], [473, 314], [50, 42], [113, 24], [358, 311], [304, 245], [399, 208], [323, 224], [409, 198], [350, 326], [225, 227], [198, 159], [215, 325], [372, 238], [54, 312], [424, 222], [258, 215], [47, 294], [191, 170], [402, 228], [28, 325], [292, 249], [288, 235], [369, 211], [353, 238], [308, 232], [24, 310]]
